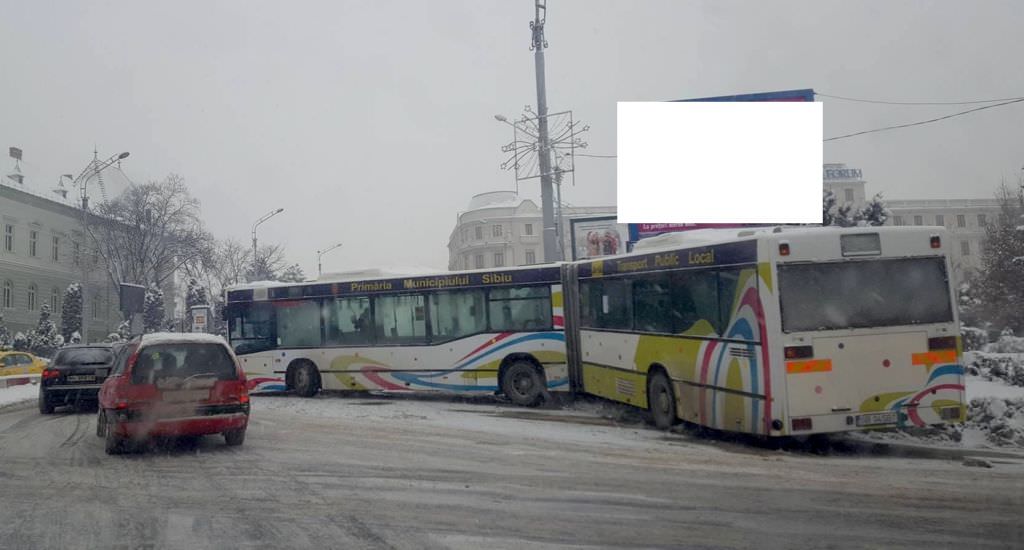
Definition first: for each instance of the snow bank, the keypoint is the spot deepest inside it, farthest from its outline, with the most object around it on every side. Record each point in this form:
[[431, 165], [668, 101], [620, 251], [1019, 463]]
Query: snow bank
[[1000, 420], [17, 394], [1005, 368]]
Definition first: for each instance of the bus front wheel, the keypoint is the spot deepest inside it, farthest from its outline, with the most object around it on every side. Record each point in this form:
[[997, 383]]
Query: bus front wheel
[[661, 401], [522, 384], [306, 380]]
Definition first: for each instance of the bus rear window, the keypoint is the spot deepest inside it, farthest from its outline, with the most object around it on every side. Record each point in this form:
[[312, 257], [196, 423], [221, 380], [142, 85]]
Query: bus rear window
[[863, 294]]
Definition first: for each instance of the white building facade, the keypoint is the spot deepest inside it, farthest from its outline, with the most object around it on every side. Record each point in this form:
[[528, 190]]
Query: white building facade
[[965, 219], [501, 229], [41, 253]]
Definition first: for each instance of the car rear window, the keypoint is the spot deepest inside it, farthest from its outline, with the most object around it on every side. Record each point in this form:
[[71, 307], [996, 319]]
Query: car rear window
[[84, 356], [183, 361]]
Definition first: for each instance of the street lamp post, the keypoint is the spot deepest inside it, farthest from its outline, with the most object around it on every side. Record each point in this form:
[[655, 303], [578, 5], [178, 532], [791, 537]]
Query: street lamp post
[[265, 217], [319, 254], [82, 181]]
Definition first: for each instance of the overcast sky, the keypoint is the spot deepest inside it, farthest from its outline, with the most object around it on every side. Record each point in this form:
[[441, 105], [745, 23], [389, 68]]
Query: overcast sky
[[372, 123]]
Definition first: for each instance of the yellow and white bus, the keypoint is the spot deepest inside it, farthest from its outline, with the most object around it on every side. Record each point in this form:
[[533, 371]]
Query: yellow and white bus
[[775, 332], [496, 331]]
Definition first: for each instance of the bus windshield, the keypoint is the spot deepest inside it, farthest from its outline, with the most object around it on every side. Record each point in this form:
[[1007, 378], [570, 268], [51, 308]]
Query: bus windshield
[[864, 293]]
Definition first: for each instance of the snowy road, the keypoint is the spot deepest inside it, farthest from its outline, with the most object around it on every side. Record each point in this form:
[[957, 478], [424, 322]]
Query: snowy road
[[392, 473]]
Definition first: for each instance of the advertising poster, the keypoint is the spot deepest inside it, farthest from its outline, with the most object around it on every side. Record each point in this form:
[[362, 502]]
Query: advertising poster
[[597, 237]]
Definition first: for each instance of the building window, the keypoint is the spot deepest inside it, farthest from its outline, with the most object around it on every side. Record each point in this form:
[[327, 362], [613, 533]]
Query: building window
[[465, 262], [528, 229], [940, 220], [95, 307], [897, 220], [479, 232], [479, 261], [499, 259], [54, 300], [8, 295], [32, 297], [78, 253], [965, 248], [982, 222], [849, 195], [496, 230], [918, 220], [961, 220], [531, 257], [9, 237], [55, 251], [33, 238]]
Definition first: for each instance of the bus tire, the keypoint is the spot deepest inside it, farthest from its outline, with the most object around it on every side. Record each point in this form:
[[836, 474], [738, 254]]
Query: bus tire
[[306, 380], [661, 401], [523, 384]]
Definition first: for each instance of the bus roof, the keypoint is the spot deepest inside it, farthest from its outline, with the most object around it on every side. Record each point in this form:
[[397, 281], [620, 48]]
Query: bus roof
[[706, 237], [380, 275]]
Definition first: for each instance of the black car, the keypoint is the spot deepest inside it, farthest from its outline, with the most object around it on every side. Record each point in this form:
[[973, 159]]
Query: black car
[[74, 376]]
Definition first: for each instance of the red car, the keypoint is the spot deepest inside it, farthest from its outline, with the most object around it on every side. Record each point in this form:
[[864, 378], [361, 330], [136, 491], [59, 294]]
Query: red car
[[173, 384]]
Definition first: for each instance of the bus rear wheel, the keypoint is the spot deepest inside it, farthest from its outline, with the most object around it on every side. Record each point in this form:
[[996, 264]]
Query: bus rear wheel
[[522, 384], [661, 401], [306, 380]]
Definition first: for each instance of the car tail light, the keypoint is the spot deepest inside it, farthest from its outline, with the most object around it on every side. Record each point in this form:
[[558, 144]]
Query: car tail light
[[50, 373], [936, 241], [244, 398], [802, 424], [783, 249], [942, 343], [799, 352]]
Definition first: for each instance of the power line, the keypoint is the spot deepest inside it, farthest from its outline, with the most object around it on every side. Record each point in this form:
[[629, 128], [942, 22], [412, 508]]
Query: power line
[[597, 156], [882, 102], [919, 123]]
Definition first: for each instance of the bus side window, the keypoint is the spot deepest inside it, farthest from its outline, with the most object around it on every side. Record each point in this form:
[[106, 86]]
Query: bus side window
[[348, 321], [695, 306], [454, 313], [520, 308]]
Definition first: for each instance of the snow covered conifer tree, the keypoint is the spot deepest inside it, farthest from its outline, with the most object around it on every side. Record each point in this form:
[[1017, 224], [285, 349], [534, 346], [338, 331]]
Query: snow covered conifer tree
[[828, 206], [19, 342], [43, 340], [71, 311], [153, 310], [5, 335], [874, 212]]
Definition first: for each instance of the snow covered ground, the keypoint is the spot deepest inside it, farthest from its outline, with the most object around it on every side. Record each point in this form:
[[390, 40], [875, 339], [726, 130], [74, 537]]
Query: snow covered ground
[[15, 394]]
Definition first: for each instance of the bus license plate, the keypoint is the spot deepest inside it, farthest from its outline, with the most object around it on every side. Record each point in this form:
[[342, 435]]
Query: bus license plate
[[81, 378], [877, 419]]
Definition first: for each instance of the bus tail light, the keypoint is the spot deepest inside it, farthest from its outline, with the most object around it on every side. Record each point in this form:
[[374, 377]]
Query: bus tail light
[[783, 249], [936, 241], [942, 343], [802, 424], [799, 352], [950, 413]]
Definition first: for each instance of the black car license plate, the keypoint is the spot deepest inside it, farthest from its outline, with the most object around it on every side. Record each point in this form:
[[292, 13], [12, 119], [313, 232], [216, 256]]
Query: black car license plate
[[81, 378]]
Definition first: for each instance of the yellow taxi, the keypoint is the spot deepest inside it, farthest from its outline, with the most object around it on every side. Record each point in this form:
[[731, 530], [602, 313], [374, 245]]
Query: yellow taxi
[[20, 362]]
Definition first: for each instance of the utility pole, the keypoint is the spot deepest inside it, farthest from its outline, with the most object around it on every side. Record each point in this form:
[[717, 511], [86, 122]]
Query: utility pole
[[544, 151], [94, 169]]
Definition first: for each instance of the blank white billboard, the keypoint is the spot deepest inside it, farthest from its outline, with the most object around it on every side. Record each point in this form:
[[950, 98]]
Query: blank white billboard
[[719, 162]]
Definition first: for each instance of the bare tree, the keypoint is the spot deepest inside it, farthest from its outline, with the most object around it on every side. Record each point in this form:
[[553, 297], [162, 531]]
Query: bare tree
[[269, 264], [150, 231]]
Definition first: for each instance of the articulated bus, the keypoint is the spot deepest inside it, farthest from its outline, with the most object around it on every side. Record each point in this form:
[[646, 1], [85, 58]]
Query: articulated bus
[[497, 331], [774, 332]]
